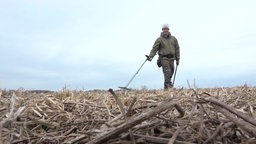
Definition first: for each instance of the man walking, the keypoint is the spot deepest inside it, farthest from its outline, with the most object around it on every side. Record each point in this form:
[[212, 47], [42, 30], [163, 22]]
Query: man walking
[[168, 50]]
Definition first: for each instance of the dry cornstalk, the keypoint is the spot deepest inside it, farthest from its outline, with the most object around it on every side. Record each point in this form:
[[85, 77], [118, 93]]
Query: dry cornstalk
[[131, 105], [131, 123], [121, 106], [217, 131], [244, 125], [118, 101], [70, 116], [172, 140], [180, 110], [158, 140], [230, 109], [77, 139]]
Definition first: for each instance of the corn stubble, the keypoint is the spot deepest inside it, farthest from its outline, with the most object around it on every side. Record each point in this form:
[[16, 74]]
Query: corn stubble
[[185, 116]]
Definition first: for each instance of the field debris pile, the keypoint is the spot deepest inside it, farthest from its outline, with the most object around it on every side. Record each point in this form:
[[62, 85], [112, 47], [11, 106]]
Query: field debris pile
[[180, 116]]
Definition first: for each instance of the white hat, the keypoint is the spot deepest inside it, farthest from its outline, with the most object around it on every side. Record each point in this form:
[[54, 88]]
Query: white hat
[[165, 26]]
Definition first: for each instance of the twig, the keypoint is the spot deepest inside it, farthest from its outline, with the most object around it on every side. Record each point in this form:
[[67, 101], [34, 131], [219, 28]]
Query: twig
[[77, 139], [231, 109], [2, 109], [69, 131], [158, 140], [131, 105], [152, 139], [188, 84], [109, 113], [12, 104], [26, 140], [252, 111], [172, 140], [1, 137], [132, 122], [201, 123], [218, 129], [115, 119], [180, 110], [192, 111], [119, 103], [245, 126]]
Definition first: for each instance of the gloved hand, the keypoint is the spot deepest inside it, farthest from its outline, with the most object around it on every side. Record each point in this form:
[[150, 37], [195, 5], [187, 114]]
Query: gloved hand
[[149, 58], [177, 62]]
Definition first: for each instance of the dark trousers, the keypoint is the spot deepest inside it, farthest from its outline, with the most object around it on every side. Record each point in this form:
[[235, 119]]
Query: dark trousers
[[168, 69]]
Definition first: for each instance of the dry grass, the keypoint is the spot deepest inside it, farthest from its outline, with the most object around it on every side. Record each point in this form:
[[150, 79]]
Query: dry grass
[[80, 116]]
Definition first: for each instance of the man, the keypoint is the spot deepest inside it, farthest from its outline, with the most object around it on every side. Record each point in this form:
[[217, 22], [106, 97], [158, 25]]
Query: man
[[168, 50]]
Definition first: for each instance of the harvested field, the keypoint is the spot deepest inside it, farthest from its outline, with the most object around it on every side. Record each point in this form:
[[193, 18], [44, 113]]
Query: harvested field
[[181, 116]]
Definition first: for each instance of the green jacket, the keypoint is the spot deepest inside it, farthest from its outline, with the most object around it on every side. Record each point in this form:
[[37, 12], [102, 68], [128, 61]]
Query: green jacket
[[166, 47]]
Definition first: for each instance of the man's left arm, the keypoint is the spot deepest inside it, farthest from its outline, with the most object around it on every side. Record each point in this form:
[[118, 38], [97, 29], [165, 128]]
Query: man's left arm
[[177, 52]]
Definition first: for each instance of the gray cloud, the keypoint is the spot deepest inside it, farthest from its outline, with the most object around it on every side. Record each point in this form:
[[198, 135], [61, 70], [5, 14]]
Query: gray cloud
[[46, 44]]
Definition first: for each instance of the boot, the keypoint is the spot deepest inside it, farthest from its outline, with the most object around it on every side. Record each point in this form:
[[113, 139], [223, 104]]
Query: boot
[[171, 85], [168, 86]]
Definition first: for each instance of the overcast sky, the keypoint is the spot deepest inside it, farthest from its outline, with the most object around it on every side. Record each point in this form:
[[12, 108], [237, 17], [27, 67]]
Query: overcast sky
[[100, 44]]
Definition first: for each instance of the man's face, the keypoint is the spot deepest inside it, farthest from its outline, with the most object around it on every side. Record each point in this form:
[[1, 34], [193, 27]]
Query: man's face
[[165, 30]]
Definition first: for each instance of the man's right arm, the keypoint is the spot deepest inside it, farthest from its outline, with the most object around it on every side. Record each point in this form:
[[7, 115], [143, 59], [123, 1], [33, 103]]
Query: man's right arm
[[155, 48]]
